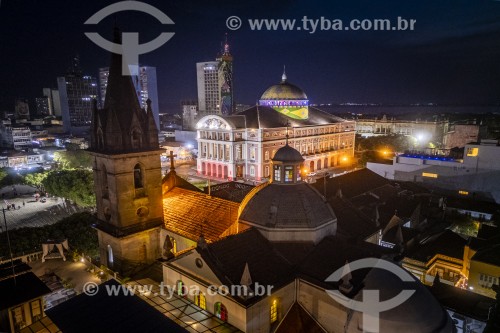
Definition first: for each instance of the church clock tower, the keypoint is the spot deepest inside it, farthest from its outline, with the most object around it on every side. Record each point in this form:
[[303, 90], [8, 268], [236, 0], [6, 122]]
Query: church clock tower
[[127, 174]]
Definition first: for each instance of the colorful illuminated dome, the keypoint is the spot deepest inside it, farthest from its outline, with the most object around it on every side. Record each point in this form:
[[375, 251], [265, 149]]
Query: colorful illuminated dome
[[287, 99]]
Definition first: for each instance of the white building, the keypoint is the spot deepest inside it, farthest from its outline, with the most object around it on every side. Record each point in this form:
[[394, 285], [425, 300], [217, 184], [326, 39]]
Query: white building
[[207, 76], [242, 145], [478, 174], [15, 136]]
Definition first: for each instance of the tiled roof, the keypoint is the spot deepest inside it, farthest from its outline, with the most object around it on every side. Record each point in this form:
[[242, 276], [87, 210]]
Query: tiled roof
[[233, 191], [331, 254], [189, 214], [228, 257], [446, 243], [172, 180], [353, 183], [351, 222], [462, 301], [489, 254]]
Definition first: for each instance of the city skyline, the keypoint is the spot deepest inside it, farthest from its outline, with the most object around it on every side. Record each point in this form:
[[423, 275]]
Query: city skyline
[[450, 57]]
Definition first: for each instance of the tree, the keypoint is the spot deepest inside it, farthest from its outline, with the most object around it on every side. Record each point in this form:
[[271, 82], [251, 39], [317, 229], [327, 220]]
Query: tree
[[9, 177], [76, 185], [73, 159], [35, 179]]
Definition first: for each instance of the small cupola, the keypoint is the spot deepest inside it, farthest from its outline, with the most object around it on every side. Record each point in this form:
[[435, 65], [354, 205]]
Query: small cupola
[[287, 164]]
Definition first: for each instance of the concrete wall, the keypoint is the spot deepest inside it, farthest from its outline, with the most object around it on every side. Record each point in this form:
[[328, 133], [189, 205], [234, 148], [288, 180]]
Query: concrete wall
[[330, 314]]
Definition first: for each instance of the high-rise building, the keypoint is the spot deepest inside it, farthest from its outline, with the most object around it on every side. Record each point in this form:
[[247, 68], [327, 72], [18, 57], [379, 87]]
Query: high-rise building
[[208, 86], [225, 72], [42, 106], [76, 92], [49, 104], [145, 84], [215, 84]]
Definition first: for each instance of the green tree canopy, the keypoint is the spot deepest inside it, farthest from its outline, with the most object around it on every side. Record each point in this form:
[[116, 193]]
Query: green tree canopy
[[76, 185], [72, 159], [35, 179]]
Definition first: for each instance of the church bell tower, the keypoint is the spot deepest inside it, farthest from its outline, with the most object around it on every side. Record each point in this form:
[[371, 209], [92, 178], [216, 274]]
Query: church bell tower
[[127, 174]]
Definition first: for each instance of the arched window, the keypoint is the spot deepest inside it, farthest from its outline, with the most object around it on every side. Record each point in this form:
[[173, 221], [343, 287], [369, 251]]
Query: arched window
[[266, 156], [200, 300], [138, 176], [266, 171], [111, 258], [220, 311], [104, 182], [274, 311], [181, 289]]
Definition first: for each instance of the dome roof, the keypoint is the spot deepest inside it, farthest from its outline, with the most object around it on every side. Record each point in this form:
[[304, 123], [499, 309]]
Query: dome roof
[[288, 213], [287, 154], [283, 90], [421, 313]]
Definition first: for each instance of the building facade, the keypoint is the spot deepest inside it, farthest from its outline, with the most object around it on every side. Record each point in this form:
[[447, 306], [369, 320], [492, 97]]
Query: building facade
[[207, 77], [76, 92], [189, 115], [16, 136], [476, 175], [423, 131], [145, 84], [242, 145], [215, 84]]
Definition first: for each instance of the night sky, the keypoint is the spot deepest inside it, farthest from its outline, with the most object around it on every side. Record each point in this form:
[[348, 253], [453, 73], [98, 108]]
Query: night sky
[[452, 57]]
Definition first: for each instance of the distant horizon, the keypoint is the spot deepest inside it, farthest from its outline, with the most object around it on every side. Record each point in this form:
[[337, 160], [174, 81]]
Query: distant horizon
[[450, 58]]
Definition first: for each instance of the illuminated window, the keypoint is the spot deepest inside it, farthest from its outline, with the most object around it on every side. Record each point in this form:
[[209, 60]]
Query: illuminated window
[[266, 155], [463, 192], [36, 312], [181, 289], [200, 300], [220, 311], [266, 171], [429, 175], [288, 174], [472, 151], [277, 173], [274, 311]]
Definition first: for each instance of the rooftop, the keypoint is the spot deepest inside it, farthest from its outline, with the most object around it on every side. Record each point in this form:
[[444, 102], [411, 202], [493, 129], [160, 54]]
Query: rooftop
[[23, 288], [191, 213], [85, 313]]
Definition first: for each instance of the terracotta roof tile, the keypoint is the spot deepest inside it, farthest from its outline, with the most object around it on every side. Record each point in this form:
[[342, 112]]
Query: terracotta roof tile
[[190, 213]]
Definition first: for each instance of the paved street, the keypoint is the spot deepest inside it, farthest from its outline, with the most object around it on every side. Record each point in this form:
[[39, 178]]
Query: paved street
[[33, 213]]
